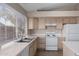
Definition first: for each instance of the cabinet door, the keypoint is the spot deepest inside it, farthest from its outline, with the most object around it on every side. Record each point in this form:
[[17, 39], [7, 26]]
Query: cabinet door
[[24, 52], [35, 46], [66, 20], [41, 42], [35, 23], [51, 20], [30, 23], [60, 44], [70, 20], [73, 20], [41, 46], [77, 20], [59, 23], [31, 50], [41, 23]]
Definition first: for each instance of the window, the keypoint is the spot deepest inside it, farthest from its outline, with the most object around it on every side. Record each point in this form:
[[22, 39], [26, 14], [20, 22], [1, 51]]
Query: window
[[6, 22]]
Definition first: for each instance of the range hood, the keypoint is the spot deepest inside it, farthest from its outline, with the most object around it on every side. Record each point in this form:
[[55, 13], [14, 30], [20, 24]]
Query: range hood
[[50, 24]]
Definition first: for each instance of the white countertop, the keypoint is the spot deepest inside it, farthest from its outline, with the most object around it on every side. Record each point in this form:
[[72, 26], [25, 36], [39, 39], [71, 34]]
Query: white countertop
[[73, 45], [58, 35], [14, 48]]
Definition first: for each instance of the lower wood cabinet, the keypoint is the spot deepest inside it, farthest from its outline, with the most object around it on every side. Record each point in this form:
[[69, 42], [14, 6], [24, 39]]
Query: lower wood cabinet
[[41, 42], [60, 45], [33, 48], [41, 46], [24, 52], [29, 50]]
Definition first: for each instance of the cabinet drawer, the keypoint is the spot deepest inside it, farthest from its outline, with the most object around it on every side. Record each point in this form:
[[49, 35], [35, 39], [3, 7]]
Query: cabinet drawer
[[41, 46], [51, 48], [42, 41]]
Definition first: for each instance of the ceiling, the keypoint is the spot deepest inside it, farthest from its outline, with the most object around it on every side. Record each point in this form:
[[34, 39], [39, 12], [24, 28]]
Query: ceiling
[[49, 6]]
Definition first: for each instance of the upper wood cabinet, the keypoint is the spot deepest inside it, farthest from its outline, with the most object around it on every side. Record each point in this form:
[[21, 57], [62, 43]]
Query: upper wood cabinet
[[30, 23], [70, 20], [51, 20], [77, 20], [59, 23], [33, 23], [41, 23]]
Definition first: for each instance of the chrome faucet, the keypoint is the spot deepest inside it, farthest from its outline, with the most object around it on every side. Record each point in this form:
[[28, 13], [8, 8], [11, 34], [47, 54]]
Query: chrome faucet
[[20, 36]]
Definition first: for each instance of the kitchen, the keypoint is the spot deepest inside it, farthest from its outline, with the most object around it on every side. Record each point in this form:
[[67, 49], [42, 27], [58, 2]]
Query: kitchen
[[38, 31]]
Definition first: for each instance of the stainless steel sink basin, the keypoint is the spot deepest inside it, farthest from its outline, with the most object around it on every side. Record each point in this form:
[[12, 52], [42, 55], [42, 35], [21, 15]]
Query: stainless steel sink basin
[[25, 40]]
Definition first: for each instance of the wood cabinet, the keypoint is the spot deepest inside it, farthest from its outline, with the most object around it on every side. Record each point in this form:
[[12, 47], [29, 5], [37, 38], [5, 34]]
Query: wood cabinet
[[36, 23], [70, 20], [30, 23], [59, 23], [41, 42], [33, 48], [41, 23], [60, 44], [77, 20], [41, 46], [33, 23], [24, 52], [51, 20], [29, 50]]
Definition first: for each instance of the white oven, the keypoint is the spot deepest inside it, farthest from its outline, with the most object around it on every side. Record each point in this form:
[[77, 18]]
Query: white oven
[[51, 41]]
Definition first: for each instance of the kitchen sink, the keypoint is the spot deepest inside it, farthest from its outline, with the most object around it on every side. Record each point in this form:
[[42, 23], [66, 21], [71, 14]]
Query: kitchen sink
[[25, 40]]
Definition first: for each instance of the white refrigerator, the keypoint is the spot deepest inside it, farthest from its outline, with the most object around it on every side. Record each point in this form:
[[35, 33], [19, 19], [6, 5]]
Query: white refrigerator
[[71, 32]]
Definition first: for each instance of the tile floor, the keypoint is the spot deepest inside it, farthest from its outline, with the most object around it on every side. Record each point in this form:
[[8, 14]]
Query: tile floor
[[49, 53]]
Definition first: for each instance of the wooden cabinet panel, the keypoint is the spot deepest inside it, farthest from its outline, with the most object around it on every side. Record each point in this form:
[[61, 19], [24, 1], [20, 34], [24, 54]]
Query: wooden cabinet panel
[[41, 23], [70, 20], [59, 23], [30, 23], [60, 44], [77, 20], [41, 40], [51, 20], [36, 23], [41, 46], [41, 43], [33, 48], [33, 23], [73, 21], [24, 52]]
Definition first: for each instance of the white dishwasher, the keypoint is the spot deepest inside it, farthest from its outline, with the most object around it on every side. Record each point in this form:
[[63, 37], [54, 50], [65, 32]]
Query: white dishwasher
[[51, 41]]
